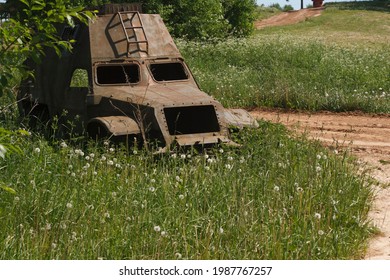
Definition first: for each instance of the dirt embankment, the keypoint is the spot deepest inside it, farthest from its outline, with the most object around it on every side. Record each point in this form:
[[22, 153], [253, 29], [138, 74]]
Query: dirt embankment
[[287, 18], [365, 136]]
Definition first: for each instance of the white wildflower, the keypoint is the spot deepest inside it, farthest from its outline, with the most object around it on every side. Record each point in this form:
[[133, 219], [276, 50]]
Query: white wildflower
[[69, 205], [2, 151], [157, 228], [37, 150], [178, 255], [63, 145], [276, 188], [317, 216]]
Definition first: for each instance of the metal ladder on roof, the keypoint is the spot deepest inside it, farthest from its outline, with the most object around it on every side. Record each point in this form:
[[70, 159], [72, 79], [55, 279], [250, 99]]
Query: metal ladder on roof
[[133, 28]]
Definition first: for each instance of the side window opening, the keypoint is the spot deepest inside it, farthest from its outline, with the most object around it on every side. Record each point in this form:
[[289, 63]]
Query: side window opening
[[79, 78], [168, 71], [117, 74]]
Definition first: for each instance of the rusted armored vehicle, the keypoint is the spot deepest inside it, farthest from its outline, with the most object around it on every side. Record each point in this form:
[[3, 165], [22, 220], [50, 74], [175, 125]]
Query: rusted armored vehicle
[[125, 78]]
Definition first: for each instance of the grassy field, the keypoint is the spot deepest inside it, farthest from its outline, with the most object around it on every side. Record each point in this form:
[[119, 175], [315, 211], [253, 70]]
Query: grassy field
[[276, 197], [339, 61]]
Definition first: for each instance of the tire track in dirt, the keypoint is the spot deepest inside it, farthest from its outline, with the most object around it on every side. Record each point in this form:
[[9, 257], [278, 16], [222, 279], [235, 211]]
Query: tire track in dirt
[[290, 17], [365, 136]]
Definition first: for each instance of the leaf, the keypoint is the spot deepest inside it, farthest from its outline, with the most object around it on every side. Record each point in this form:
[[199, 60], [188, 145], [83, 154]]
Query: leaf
[[7, 189]]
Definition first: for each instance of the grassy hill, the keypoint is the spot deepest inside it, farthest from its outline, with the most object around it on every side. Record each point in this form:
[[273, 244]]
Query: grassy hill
[[339, 61]]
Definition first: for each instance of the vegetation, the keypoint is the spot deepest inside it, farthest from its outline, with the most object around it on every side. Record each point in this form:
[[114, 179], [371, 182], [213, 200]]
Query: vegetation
[[338, 62], [276, 197], [199, 19]]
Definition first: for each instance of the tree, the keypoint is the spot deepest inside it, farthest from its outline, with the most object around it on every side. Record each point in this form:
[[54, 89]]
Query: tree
[[30, 29], [197, 19]]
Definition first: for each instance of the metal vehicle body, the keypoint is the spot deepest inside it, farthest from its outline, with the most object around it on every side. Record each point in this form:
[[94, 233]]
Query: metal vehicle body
[[138, 85]]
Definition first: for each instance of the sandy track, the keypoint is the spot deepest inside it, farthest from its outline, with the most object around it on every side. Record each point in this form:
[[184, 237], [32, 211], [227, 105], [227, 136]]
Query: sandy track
[[287, 18], [368, 138]]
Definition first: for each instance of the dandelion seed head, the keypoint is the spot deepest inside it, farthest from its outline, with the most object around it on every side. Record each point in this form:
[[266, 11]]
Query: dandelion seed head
[[157, 228], [37, 150], [276, 188], [69, 205], [178, 255], [317, 216]]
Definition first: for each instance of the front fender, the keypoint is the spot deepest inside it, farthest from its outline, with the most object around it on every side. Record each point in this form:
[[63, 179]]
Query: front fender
[[117, 125]]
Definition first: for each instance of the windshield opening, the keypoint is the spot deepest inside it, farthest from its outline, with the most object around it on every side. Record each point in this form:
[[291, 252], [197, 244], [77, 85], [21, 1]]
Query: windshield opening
[[168, 71], [117, 74]]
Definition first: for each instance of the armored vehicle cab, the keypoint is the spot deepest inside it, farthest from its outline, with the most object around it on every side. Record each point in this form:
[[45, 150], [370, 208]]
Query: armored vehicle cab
[[126, 78]]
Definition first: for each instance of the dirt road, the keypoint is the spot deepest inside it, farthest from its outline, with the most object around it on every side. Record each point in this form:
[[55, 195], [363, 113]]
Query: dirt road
[[287, 18], [365, 136]]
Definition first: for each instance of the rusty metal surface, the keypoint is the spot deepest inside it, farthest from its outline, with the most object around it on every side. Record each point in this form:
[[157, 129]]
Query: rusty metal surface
[[239, 118], [108, 40], [118, 125], [115, 8]]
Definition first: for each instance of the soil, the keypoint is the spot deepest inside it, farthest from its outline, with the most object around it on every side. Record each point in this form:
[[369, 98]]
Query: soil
[[290, 17], [365, 136]]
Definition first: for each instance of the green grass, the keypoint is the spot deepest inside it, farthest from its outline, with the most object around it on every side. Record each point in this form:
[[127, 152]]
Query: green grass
[[274, 198], [339, 61]]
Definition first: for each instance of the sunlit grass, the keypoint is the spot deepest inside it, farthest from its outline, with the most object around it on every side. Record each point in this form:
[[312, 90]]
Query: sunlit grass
[[288, 72], [274, 198]]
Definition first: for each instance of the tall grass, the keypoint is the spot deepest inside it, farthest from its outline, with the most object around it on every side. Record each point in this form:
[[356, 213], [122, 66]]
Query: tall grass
[[273, 198], [286, 72]]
